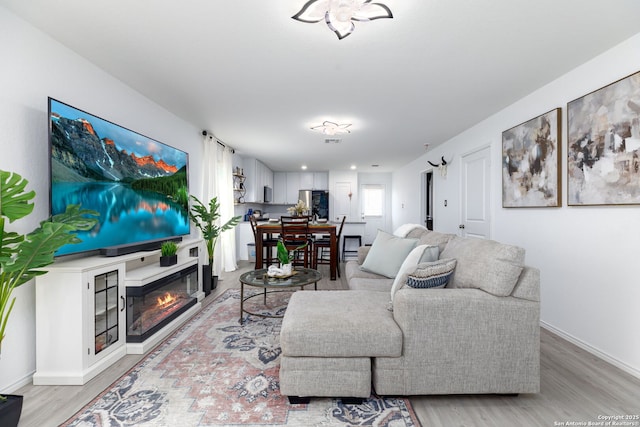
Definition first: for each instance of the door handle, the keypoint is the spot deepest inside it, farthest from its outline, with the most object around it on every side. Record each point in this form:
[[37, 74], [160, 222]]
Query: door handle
[[461, 226], [122, 299]]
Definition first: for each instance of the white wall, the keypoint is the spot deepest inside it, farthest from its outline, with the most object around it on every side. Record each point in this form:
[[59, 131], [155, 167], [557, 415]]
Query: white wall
[[34, 67], [587, 255]]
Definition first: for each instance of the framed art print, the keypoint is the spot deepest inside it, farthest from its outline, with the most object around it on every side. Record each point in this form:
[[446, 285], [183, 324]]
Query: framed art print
[[531, 163], [603, 144]]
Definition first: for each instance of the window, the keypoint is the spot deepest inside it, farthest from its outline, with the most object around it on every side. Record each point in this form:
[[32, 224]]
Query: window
[[373, 200]]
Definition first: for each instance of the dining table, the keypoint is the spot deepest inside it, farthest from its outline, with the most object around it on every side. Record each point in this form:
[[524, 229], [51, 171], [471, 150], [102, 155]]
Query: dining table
[[319, 228]]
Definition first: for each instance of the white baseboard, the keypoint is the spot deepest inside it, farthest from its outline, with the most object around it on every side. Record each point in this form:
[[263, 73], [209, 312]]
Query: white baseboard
[[11, 388], [604, 356]]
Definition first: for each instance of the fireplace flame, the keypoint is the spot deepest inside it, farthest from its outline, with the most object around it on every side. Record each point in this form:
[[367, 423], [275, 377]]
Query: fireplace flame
[[166, 300]]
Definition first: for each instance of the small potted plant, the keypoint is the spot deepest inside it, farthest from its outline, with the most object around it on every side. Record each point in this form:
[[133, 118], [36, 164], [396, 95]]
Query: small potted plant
[[168, 253], [285, 257]]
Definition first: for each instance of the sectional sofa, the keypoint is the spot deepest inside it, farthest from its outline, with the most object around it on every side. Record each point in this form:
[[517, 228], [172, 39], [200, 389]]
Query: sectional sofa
[[479, 334]]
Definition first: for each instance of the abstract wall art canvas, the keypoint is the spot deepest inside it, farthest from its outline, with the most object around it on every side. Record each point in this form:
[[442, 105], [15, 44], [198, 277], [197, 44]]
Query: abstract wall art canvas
[[531, 163], [603, 140]]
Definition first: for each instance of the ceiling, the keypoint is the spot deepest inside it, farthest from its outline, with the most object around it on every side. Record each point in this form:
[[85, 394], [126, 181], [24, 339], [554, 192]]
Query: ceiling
[[258, 80]]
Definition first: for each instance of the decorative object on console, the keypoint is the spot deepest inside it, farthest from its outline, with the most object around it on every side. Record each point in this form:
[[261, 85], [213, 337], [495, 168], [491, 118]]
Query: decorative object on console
[[331, 128], [340, 14], [23, 255], [206, 219], [531, 163], [603, 146], [168, 253]]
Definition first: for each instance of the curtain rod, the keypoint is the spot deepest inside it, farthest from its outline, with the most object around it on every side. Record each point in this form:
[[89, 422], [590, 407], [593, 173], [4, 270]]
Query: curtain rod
[[205, 133]]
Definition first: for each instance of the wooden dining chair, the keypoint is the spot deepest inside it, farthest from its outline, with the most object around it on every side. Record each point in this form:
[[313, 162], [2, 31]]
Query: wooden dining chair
[[295, 233], [322, 249], [269, 243]]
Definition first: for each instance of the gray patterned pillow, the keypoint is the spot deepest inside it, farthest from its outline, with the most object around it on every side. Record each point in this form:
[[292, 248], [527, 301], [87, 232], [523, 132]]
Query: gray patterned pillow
[[429, 275]]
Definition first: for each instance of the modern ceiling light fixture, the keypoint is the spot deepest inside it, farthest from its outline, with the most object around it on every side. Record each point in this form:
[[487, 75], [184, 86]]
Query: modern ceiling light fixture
[[331, 128], [340, 14]]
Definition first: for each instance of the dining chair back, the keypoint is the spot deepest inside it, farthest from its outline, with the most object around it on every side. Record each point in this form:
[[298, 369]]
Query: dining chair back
[[295, 233], [322, 249], [268, 244]]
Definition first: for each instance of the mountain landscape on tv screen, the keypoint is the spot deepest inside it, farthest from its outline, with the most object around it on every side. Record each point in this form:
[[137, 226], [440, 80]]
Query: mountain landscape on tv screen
[[79, 154]]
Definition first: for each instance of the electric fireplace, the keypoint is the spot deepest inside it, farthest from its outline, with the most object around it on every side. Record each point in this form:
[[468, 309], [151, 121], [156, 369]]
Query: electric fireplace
[[152, 306]]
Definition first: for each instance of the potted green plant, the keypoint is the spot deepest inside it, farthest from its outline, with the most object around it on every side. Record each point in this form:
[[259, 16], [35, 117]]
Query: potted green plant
[[23, 255], [206, 218], [168, 253], [285, 257]]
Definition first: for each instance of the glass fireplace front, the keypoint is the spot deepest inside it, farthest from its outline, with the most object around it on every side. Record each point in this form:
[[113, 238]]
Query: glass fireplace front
[[152, 306]]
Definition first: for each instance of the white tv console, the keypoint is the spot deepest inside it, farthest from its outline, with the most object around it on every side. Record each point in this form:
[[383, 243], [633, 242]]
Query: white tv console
[[81, 317]]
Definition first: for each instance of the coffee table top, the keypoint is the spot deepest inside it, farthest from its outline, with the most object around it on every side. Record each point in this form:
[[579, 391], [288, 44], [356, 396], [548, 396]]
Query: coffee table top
[[302, 277]]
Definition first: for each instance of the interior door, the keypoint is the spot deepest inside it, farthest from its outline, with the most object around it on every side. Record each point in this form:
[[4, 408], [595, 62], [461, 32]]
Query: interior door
[[372, 201], [475, 203]]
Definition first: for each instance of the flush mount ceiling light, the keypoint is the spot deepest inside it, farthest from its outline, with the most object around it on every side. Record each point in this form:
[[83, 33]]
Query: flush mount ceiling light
[[340, 14], [331, 128]]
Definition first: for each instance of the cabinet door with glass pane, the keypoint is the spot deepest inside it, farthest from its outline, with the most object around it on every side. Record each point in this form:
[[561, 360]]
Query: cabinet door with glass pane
[[106, 290]]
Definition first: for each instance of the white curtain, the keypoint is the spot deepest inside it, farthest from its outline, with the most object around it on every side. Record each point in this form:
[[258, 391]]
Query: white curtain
[[218, 182]]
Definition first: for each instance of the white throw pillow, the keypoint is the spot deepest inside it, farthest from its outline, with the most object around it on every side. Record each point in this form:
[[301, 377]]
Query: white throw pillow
[[387, 254], [420, 254]]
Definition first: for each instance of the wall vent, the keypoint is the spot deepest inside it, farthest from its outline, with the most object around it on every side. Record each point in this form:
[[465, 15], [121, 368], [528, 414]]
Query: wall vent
[[332, 140]]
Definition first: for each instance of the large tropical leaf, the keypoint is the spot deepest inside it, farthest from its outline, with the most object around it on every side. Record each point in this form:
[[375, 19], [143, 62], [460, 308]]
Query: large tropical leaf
[[38, 248], [14, 200]]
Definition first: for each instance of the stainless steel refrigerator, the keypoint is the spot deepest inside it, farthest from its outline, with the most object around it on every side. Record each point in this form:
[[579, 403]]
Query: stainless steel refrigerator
[[318, 200]]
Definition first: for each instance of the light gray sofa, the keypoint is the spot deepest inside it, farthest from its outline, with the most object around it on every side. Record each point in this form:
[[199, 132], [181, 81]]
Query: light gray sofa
[[478, 335]]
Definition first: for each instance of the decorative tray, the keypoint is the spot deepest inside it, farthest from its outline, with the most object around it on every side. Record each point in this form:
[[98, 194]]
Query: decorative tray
[[285, 276]]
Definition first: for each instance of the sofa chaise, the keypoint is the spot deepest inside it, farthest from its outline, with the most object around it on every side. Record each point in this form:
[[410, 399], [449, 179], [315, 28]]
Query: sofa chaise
[[477, 335]]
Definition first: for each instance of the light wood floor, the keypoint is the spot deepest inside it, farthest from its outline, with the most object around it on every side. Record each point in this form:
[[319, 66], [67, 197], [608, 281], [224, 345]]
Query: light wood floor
[[575, 387]]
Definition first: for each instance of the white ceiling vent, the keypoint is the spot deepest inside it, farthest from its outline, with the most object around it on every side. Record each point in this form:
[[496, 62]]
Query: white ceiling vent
[[332, 140]]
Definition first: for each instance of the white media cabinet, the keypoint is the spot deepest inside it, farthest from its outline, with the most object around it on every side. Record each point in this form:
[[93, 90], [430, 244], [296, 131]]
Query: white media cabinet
[[81, 316]]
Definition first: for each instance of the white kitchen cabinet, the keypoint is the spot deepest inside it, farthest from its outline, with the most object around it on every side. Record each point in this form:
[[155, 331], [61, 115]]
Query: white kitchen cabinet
[[306, 181], [244, 235], [279, 188], [293, 186], [320, 181], [258, 175], [314, 181]]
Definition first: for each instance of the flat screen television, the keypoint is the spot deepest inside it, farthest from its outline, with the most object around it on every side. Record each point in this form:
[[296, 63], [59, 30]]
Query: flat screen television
[[138, 185]]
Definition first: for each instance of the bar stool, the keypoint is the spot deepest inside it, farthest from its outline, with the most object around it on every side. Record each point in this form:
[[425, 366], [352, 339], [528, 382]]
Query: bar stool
[[352, 238]]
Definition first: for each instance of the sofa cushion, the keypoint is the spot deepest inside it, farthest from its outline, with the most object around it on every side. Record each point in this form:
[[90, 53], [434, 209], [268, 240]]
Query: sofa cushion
[[419, 254], [485, 264], [432, 238], [378, 284], [387, 254], [339, 324], [431, 275]]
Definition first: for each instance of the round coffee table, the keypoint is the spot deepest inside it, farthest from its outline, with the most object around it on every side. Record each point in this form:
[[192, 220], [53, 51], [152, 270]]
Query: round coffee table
[[259, 279]]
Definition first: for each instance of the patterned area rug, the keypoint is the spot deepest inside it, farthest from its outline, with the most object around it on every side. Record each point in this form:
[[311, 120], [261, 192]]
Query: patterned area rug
[[215, 372]]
